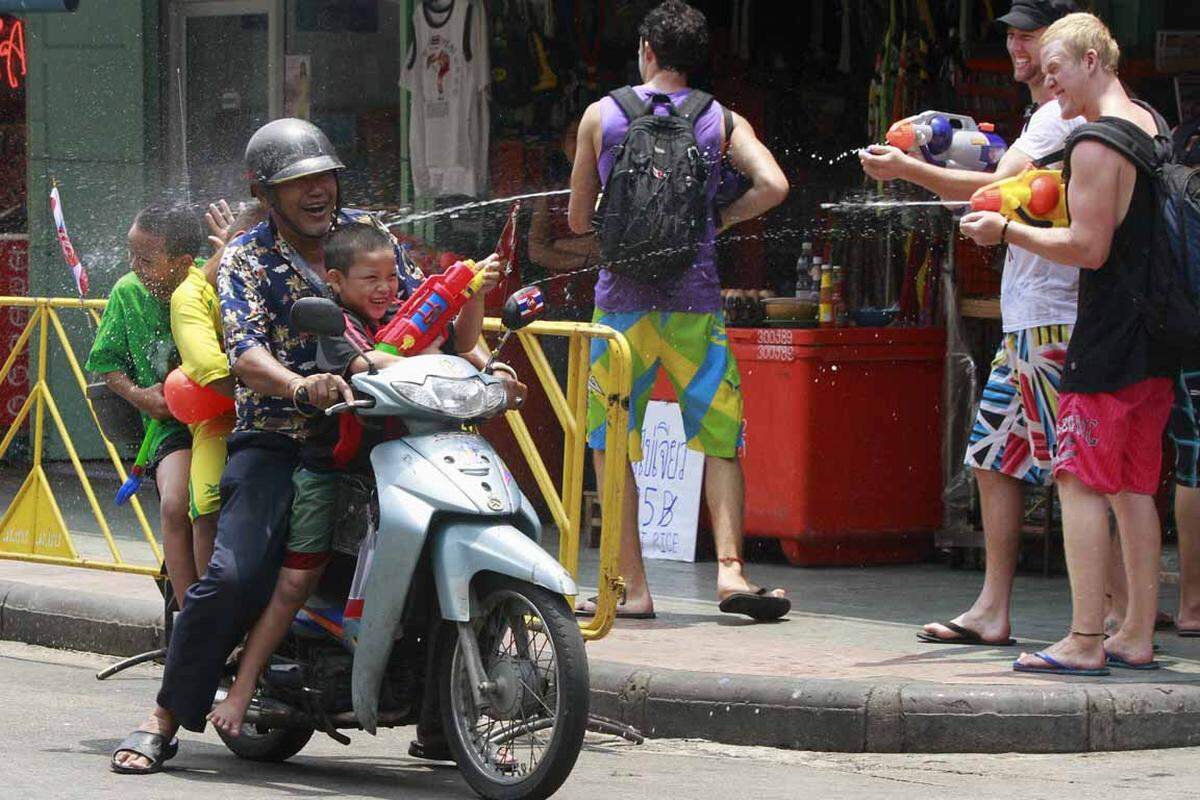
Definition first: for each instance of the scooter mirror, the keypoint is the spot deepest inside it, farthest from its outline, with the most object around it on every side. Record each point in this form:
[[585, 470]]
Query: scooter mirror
[[318, 316], [522, 307]]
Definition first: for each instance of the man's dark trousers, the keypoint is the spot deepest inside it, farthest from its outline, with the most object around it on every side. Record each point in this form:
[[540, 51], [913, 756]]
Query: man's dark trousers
[[256, 501]]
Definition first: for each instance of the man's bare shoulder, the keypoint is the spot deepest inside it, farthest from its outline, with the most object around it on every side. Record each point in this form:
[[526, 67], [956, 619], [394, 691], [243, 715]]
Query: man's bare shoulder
[[591, 116], [1091, 154]]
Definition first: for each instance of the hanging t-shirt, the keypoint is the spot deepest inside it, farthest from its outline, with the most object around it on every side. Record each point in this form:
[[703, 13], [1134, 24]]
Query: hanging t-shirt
[[1035, 291], [447, 73]]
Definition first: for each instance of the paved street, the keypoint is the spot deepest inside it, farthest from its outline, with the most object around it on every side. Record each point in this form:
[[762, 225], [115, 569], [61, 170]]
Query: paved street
[[58, 725]]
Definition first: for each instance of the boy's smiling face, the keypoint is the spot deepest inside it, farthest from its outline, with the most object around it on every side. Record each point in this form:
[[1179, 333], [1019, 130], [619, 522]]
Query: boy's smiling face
[[159, 272], [370, 285]]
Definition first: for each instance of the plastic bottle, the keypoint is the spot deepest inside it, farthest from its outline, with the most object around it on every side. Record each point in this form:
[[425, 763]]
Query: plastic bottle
[[825, 303], [840, 317], [815, 271], [803, 271]]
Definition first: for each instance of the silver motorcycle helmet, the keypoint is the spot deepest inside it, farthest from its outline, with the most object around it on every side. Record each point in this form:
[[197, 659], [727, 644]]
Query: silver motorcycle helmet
[[286, 149]]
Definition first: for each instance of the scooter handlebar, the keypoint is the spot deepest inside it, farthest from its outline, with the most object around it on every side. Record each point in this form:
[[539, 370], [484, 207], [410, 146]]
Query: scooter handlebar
[[338, 408]]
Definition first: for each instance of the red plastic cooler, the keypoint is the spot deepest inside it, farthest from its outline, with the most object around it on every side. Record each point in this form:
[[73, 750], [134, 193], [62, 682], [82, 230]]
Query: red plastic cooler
[[843, 441]]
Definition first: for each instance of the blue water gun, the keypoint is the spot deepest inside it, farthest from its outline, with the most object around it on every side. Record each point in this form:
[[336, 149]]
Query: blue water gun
[[134, 482]]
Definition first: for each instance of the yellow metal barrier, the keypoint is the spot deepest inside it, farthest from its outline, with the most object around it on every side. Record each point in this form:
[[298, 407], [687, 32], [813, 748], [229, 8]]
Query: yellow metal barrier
[[32, 528], [571, 410]]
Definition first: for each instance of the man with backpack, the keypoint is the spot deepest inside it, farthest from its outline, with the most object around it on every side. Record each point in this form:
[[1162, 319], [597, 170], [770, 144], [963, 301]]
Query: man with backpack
[[655, 150], [1117, 380]]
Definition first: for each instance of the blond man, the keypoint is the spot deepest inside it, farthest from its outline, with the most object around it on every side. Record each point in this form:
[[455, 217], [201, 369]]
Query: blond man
[[1117, 387]]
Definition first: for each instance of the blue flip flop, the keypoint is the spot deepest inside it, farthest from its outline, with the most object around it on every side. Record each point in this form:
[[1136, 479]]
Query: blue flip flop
[[1058, 668], [1120, 663]]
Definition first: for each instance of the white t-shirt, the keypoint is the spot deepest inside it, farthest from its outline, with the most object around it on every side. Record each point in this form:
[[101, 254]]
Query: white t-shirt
[[447, 71], [1036, 291]]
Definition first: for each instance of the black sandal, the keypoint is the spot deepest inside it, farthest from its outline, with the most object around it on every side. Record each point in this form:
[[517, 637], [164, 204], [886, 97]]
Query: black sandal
[[153, 746], [759, 606]]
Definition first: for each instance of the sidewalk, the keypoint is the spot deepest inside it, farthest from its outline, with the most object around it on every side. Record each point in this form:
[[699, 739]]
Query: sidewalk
[[843, 672]]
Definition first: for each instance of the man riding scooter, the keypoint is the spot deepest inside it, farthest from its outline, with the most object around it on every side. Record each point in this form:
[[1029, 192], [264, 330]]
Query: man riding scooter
[[294, 169]]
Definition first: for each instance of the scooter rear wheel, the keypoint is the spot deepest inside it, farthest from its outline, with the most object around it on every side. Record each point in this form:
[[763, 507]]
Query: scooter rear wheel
[[270, 745], [524, 741]]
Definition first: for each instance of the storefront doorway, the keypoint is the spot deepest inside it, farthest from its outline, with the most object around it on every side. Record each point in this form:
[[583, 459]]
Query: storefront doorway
[[225, 81]]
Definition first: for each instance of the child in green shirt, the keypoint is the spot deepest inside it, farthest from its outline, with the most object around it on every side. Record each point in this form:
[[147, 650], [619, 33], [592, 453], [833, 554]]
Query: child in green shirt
[[134, 351]]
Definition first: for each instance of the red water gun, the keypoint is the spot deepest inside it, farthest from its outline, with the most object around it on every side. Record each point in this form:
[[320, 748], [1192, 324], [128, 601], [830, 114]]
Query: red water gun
[[426, 313]]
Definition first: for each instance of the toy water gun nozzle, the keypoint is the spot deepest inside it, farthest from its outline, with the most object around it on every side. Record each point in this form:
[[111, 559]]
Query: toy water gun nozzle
[[1035, 197], [902, 136]]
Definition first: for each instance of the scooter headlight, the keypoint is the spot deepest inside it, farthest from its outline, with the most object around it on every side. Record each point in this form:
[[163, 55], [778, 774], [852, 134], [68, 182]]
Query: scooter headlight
[[468, 398]]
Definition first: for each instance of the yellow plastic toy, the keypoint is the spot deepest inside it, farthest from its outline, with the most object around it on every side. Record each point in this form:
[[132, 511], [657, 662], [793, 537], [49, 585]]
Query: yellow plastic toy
[[1036, 197]]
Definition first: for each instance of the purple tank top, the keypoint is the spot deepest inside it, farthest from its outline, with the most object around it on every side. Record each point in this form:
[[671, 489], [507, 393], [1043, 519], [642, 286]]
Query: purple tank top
[[699, 289]]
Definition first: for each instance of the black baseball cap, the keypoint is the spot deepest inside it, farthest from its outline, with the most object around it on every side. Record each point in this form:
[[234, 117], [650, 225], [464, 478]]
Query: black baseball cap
[[1030, 15]]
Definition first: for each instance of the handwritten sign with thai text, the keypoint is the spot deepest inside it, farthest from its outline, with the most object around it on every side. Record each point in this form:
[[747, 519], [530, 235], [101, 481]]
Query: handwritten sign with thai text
[[669, 479]]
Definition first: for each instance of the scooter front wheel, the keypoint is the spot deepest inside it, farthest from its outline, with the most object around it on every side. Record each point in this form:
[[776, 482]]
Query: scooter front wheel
[[523, 740]]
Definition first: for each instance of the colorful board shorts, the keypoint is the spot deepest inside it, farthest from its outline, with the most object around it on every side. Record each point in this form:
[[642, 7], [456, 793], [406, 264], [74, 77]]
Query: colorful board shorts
[[1185, 428], [1112, 441], [1014, 432], [694, 350], [208, 462]]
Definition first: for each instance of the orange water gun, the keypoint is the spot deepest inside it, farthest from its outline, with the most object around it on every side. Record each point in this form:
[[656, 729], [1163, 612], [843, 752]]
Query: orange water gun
[[426, 313], [1037, 197]]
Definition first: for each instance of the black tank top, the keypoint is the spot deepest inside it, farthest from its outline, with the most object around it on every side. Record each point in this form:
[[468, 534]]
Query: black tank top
[[1110, 346]]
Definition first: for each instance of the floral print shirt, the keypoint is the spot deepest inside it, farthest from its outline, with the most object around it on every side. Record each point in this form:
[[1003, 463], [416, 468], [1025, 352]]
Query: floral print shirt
[[258, 282]]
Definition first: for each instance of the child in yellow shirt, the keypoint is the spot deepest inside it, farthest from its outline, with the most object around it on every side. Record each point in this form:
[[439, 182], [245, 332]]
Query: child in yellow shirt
[[196, 328]]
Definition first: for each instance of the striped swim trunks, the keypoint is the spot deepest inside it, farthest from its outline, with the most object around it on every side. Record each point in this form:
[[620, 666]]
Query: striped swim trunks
[[694, 350], [1015, 428]]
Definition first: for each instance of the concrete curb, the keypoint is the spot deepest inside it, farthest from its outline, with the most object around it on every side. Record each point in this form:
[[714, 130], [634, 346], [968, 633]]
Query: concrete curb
[[799, 714], [891, 717], [54, 617]]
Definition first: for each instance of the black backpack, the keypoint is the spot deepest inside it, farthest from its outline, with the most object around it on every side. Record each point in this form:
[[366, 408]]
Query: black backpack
[[1171, 304], [653, 212]]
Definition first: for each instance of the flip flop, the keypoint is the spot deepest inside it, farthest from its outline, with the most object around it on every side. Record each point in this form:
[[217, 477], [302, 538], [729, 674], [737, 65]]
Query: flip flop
[[1189, 633], [966, 636], [1116, 661], [620, 614], [1058, 668], [153, 746], [759, 605]]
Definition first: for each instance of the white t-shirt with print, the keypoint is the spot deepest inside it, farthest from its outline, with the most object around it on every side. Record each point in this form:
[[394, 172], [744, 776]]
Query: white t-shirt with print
[[447, 71], [1034, 290]]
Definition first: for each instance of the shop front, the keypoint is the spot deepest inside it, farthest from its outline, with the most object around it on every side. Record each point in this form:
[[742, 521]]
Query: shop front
[[436, 105]]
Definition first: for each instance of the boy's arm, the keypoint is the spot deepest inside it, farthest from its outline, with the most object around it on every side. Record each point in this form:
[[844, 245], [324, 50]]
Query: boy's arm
[[768, 185], [585, 174], [149, 400], [198, 341], [468, 325], [1092, 194]]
